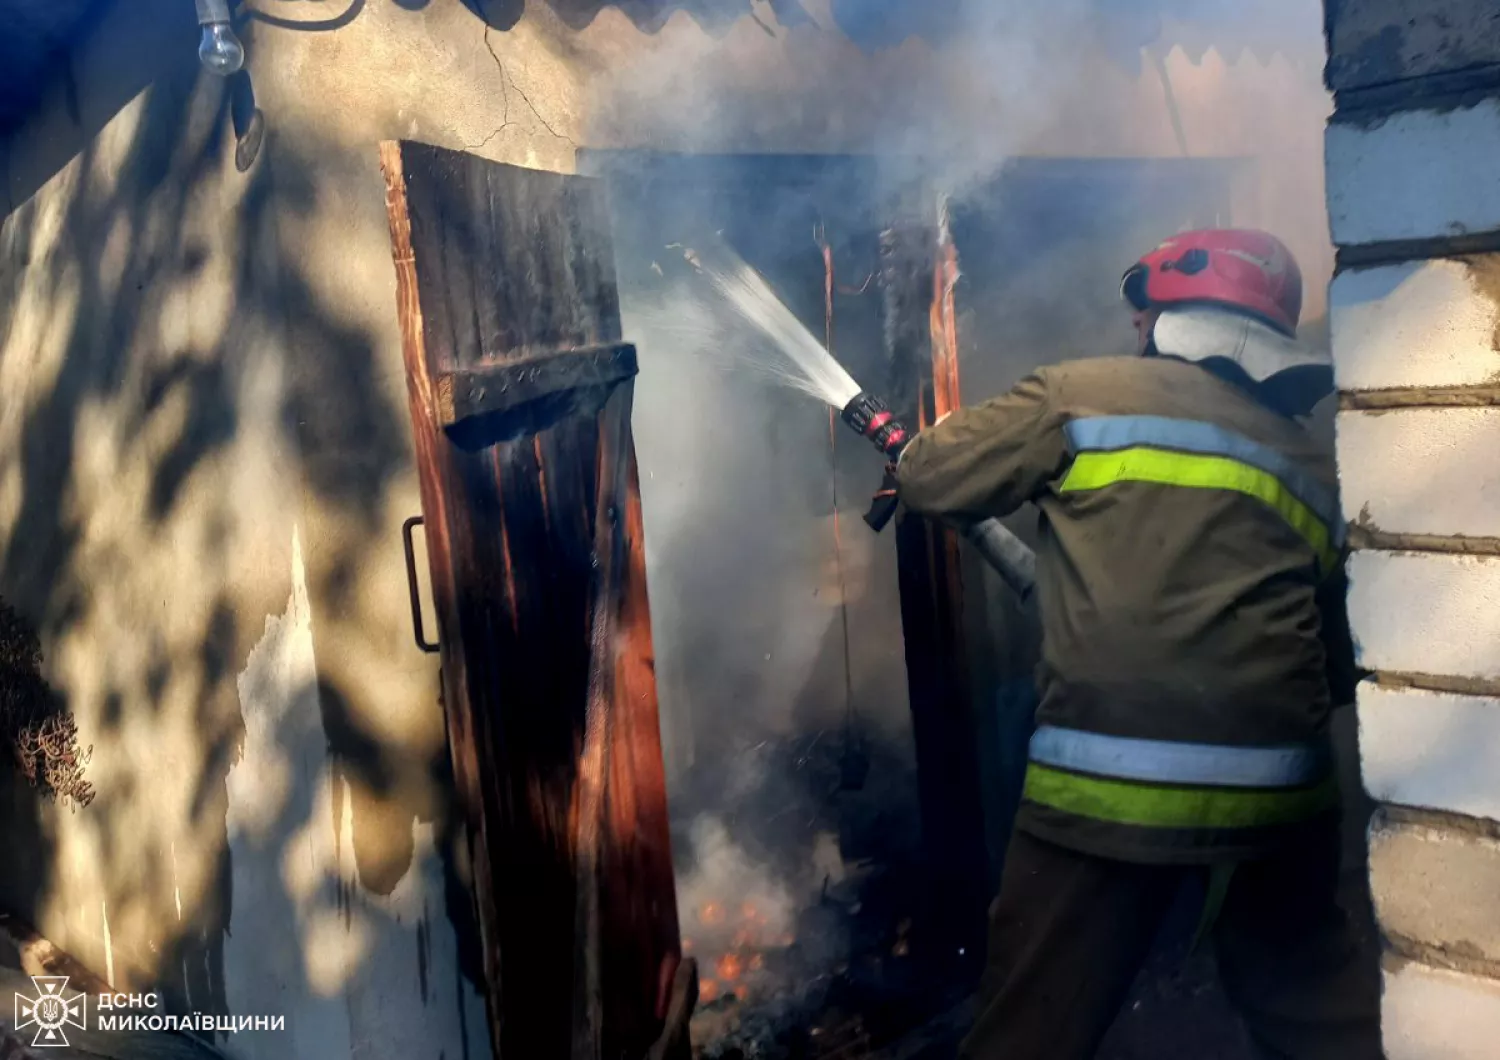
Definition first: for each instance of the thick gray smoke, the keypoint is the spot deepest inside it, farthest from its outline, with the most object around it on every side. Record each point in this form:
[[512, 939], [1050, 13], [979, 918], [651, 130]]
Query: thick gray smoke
[[1061, 142]]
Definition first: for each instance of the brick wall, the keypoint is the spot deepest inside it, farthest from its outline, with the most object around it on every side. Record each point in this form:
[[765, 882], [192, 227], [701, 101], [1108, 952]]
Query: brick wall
[[1413, 170]]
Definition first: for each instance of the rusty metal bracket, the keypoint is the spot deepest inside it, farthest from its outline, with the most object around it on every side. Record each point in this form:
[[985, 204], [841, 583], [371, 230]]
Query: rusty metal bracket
[[411, 584], [467, 393]]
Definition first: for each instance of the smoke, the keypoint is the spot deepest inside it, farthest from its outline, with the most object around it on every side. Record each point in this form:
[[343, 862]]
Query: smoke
[[1071, 136], [738, 492], [726, 890], [965, 85], [995, 81]]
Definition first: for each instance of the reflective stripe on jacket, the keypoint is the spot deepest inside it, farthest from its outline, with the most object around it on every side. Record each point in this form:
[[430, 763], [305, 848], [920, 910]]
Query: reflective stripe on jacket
[[1190, 545]]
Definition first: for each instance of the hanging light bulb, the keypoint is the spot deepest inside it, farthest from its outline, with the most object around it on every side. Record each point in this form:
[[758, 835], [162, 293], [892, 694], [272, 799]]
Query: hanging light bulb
[[220, 50]]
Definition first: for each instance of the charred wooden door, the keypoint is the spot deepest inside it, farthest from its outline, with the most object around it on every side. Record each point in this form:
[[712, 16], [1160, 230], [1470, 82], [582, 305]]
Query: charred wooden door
[[520, 393], [919, 268]]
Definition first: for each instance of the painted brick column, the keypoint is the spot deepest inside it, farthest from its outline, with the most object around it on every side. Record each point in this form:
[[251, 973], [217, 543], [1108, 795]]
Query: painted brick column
[[1413, 164]]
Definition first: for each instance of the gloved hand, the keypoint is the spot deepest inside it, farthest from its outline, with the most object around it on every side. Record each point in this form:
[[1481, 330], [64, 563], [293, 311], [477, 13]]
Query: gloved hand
[[885, 502]]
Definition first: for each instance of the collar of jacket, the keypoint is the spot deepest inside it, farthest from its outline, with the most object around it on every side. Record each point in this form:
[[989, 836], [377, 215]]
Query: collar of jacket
[[1275, 369]]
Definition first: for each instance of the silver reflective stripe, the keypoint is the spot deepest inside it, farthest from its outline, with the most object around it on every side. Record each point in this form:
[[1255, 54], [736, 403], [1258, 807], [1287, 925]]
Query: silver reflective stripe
[[1108, 433], [1170, 762]]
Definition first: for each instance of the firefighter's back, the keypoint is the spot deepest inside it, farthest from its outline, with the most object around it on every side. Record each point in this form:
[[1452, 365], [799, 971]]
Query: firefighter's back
[[1183, 691]]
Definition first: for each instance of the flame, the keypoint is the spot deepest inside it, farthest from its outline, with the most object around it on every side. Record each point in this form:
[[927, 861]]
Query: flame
[[730, 967], [733, 950]]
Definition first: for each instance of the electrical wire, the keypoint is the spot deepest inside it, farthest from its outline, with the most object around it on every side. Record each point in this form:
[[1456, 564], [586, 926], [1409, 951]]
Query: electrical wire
[[321, 25]]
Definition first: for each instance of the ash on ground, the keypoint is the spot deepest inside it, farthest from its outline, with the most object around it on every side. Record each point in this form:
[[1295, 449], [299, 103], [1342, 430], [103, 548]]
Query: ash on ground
[[799, 894]]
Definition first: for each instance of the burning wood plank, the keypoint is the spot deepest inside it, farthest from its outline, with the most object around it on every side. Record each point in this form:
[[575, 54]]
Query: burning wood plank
[[919, 268]]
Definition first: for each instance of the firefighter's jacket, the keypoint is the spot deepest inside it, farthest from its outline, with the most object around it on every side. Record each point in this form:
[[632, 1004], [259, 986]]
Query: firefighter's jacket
[[1189, 577]]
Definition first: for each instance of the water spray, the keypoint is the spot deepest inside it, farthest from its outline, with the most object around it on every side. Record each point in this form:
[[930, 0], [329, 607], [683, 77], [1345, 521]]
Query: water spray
[[799, 360]]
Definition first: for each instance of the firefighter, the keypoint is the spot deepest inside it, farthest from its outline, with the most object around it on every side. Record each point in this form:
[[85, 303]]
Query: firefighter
[[1194, 643]]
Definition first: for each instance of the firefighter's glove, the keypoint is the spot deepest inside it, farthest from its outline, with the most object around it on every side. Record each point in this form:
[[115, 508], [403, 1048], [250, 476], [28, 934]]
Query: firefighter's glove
[[883, 505]]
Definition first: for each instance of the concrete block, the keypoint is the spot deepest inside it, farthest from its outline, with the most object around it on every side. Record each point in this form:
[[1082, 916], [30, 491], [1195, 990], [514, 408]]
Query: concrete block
[[1426, 613], [1429, 323], [1439, 887], [1422, 471], [1435, 750], [1372, 42], [1422, 174], [1432, 1014]]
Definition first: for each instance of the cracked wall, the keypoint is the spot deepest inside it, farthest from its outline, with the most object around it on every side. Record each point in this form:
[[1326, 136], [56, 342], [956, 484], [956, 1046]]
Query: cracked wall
[[206, 465]]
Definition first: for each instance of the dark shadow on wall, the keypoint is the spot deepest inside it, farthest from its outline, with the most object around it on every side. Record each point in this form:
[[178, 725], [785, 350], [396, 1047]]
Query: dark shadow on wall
[[115, 304], [36, 38]]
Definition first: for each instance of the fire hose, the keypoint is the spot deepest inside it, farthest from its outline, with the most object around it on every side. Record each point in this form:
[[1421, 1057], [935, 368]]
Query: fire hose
[[1002, 550]]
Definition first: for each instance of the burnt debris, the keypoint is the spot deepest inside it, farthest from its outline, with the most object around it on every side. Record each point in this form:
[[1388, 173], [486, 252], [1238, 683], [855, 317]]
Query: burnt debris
[[34, 723]]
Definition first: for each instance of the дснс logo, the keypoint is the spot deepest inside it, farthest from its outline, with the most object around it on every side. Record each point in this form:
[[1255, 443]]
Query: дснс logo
[[51, 1010]]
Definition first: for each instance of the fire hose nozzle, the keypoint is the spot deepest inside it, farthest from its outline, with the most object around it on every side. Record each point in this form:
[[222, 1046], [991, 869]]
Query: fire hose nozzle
[[873, 419], [1003, 550]]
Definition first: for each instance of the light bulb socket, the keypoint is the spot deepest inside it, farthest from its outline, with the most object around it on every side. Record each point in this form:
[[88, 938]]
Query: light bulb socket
[[212, 11]]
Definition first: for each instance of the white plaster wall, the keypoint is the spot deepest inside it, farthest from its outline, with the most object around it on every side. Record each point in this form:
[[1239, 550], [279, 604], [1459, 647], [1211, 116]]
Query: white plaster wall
[[1423, 174], [1420, 174], [1426, 613], [1431, 1014], [1437, 886], [205, 467], [1427, 323], [1422, 471], [1436, 750], [353, 973]]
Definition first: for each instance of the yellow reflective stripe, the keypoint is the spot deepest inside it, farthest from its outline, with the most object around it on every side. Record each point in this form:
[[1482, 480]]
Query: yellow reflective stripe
[[1155, 806], [1095, 470]]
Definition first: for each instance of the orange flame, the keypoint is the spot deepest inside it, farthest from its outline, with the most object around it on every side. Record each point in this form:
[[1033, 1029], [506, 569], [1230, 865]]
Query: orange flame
[[730, 967]]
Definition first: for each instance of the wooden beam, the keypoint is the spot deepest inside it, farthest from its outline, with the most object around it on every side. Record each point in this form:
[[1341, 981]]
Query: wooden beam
[[534, 538], [919, 268], [511, 386]]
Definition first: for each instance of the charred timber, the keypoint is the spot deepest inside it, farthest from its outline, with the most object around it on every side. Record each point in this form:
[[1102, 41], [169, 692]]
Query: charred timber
[[519, 391], [533, 391], [919, 268]]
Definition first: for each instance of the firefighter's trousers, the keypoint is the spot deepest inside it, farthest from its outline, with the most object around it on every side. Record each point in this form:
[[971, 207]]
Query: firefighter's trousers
[[1069, 932]]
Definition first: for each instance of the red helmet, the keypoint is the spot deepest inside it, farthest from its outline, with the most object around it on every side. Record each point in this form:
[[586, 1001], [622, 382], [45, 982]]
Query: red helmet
[[1237, 268]]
